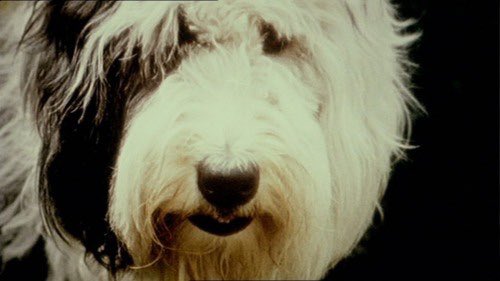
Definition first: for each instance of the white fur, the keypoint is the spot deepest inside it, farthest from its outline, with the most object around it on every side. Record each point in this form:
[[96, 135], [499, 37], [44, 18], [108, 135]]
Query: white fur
[[324, 121]]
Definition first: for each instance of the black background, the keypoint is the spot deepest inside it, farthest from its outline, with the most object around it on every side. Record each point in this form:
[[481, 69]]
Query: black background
[[441, 215]]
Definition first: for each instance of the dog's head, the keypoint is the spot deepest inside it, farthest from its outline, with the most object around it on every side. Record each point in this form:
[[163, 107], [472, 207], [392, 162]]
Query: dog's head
[[215, 133]]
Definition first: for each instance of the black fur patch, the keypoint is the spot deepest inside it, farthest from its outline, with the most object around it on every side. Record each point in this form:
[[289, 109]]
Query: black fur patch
[[76, 177], [67, 19], [80, 146]]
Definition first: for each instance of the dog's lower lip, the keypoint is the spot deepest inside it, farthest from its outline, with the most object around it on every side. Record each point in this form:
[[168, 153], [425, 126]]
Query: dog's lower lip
[[213, 226]]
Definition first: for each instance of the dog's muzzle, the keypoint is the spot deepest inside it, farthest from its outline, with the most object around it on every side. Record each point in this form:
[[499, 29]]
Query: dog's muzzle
[[225, 190]]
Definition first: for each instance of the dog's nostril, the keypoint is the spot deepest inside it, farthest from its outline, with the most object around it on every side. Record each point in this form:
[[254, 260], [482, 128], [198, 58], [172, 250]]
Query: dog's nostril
[[229, 188]]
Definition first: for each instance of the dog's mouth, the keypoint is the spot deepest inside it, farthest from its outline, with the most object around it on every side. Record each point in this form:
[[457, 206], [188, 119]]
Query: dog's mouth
[[221, 226]]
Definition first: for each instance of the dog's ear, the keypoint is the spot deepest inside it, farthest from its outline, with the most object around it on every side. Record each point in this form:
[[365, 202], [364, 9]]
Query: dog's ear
[[78, 152], [66, 21], [81, 100], [77, 162], [76, 165], [366, 102]]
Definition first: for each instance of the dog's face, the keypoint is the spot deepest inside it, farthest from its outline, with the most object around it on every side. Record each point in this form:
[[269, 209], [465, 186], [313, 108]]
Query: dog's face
[[226, 157], [228, 139]]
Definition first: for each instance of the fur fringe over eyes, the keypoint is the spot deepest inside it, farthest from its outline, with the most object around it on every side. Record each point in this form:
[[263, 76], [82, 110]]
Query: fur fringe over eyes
[[87, 71]]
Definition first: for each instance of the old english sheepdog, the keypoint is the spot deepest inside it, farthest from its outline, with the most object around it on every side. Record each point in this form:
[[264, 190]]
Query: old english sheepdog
[[198, 140]]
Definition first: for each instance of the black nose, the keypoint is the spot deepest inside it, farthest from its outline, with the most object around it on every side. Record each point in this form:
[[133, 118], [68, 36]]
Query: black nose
[[230, 188]]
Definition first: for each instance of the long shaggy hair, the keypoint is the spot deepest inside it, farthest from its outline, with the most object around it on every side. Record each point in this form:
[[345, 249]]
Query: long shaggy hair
[[110, 113]]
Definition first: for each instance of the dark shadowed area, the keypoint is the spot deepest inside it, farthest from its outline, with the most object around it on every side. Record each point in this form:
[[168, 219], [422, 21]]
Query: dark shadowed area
[[441, 215]]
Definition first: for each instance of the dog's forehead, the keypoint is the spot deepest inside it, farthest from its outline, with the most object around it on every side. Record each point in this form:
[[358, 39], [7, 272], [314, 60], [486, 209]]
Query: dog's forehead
[[235, 16], [223, 13], [216, 21]]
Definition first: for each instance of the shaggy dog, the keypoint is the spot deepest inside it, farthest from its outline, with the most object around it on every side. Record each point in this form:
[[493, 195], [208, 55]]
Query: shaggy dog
[[197, 140]]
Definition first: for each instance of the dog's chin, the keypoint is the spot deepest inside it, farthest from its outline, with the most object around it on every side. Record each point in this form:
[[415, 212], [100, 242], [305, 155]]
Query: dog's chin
[[220, 226]]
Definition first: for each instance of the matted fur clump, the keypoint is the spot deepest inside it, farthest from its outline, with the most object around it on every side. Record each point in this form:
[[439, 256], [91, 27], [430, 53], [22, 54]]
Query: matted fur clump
[[197, 140]]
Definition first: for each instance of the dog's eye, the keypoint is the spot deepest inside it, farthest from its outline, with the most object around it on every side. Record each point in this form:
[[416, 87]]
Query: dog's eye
[[186, 35], [273, 43]]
